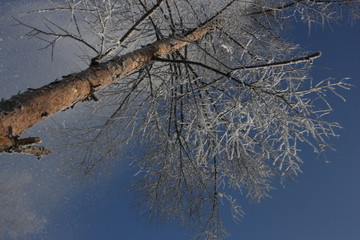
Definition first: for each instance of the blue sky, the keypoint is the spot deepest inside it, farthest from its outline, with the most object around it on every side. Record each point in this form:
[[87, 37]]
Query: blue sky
[[322, 204]]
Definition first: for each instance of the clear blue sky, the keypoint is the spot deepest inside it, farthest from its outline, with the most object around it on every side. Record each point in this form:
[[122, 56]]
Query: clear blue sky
[[322, 204]]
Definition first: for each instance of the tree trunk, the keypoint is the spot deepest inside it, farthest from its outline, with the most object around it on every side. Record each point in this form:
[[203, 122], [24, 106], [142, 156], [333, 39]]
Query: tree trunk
[[24, 110]]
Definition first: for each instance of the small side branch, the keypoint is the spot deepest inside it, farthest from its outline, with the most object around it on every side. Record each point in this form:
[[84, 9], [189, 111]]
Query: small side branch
[[129, 32], [34, 32], [26, 145], [36, 150], [308, 58]]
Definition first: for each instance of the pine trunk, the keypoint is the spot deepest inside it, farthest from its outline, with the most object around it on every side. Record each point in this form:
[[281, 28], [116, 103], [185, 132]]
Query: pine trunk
[[24, 110]]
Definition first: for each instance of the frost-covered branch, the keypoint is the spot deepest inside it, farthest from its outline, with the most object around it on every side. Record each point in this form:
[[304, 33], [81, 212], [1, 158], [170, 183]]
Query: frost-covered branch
[[217, 98]]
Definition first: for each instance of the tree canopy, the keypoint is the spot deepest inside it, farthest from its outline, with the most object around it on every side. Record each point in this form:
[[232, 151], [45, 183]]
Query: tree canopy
[[214, 93]]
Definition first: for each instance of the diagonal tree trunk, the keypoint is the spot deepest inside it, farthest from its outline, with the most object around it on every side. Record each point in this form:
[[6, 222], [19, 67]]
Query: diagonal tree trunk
[[24, 110]]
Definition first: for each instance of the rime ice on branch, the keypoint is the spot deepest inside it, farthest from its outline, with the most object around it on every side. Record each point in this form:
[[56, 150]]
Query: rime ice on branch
[[218, 98]]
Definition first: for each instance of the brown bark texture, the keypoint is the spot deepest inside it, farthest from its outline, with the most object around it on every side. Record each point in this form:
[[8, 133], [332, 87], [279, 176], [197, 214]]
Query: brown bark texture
[[22, 111]]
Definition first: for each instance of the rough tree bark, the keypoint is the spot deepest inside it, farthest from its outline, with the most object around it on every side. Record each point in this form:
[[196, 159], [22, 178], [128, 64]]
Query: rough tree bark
[[22, 111], [219, 118]]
